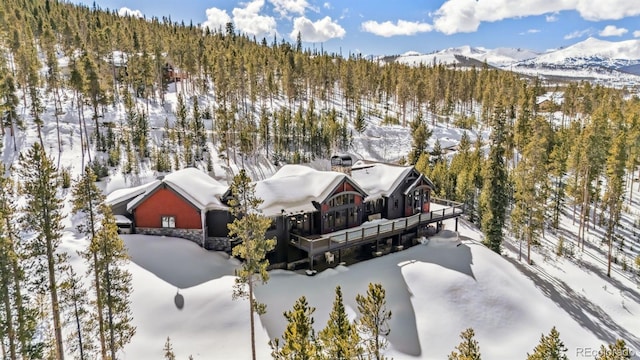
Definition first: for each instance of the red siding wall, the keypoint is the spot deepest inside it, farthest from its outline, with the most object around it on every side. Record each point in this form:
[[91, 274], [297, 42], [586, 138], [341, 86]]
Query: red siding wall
[[164, 202]]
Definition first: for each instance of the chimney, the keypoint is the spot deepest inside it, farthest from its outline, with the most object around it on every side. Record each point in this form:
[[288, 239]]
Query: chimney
[[342, 163]]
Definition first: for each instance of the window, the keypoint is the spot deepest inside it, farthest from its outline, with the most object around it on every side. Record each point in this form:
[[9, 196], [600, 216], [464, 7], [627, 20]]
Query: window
[[168, 221], [395, 204]]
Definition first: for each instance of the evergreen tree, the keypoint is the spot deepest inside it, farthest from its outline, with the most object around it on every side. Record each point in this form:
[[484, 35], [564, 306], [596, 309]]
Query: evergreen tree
[[373, 322], [299, 339], [468, 348], [42, 215], [549, 348], [88, 200], [168, 350], [79, 318], [613, 197], [116, 280], [8, 106], [340, 339], [19, 317], [420, 134], [615, 351], [494, 198], [359, 122], [249, 226]]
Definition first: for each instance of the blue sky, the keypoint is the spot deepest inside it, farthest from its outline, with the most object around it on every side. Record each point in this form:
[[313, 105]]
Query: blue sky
[[394, 27]]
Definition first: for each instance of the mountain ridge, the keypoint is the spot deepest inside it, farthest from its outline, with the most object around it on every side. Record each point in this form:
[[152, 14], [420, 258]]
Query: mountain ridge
[[590, 58]]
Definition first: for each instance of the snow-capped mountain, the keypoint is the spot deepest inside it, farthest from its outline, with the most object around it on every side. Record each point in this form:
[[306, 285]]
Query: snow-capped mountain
[[595, 59], [467, 55]]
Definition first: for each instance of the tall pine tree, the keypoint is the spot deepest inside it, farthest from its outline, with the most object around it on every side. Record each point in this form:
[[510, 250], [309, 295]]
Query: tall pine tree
[[373, 322], [549, 348], [42, 216], [299, 340], [249, 226], [340, 339], [468, 349], [494, 198]]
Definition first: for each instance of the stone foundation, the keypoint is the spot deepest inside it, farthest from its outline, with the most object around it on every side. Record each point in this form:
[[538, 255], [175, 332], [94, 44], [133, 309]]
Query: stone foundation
[[218, 244], [195, 235]]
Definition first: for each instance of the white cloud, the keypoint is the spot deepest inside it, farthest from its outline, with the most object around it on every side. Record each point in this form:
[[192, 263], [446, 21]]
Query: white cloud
[[286, 7], [125, 11], [319, 31], [249, 21], [612, 30], [246, 20], [551, 18], [578, 34], [327, 5], [216, 19], [636, 33], [530, 31], [455, 16], [401, 27]]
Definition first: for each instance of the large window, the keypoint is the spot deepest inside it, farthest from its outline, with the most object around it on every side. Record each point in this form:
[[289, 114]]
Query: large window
[[168, 221], [342, 200]]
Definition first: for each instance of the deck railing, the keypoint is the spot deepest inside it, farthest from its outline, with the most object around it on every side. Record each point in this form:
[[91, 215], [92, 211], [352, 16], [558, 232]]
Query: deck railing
[[379, 229]]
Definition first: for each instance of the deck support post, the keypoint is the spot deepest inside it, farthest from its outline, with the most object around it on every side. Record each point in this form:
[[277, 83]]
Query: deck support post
[[456, 224]]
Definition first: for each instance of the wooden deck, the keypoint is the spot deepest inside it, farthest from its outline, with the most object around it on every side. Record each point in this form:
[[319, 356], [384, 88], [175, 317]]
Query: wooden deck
[[319, 244]]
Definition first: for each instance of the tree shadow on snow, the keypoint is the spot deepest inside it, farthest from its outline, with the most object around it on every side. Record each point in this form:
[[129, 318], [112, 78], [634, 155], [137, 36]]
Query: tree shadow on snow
[[285, 287], [178, 262], [581, 309]]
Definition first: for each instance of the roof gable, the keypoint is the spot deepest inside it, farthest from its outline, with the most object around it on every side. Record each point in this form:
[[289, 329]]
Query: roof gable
[[196, 187], [294, 188], [379, 179]]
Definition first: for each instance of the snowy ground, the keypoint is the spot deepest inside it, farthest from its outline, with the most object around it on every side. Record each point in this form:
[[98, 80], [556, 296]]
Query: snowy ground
[[434, 291]]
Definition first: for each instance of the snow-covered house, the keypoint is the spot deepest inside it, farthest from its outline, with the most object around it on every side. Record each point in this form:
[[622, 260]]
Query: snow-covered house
[[308, 202], [395, 191], [187, 204]]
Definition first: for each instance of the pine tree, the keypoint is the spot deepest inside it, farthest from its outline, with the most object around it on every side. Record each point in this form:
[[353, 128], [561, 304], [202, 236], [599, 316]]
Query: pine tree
[[468, 348], [249, 226], [613, 197], [420, 134], [78, 319], [116, 280], [373, 322], [7, 256], [340, 339], [494, 199], [168, 350], [615, 351], [299, 339], [549, 348], [8, 105], [42, 215], [359, 122], [19, 317], [87, 199]]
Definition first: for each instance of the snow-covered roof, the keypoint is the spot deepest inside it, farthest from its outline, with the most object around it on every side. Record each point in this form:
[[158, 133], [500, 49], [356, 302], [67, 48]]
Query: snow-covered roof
[[200, 189], [294, 187], [378, 179], [122, 220], [120, 195]]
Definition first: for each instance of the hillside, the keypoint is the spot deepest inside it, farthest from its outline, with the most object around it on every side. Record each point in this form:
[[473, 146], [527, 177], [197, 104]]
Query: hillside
[[243, 103]]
